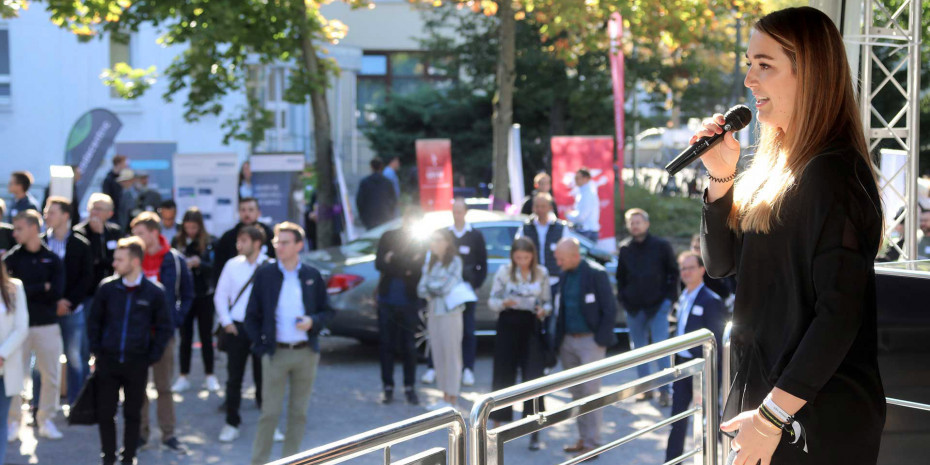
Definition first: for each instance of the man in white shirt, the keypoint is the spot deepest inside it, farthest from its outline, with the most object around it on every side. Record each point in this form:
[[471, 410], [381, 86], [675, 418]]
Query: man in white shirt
[[231, 298], [586, 213]]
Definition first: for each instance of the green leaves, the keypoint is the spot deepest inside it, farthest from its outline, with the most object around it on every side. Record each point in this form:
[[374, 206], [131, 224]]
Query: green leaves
[[127, 81]]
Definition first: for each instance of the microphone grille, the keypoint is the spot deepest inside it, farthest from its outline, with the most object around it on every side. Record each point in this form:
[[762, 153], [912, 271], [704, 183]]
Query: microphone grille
[[738, 117]]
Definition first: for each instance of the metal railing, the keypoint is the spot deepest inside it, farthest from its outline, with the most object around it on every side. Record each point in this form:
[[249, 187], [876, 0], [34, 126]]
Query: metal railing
[[486, 446], [385, 437]]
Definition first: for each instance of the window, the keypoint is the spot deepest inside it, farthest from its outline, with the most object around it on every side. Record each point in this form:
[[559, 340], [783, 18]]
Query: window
[[120, 52], [384, 74], [4, 65]]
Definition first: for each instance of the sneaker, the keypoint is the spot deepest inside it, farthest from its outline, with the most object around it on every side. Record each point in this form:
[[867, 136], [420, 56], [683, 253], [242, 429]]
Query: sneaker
[[644, 396], [468, 378], [181, 384], [48, 430], [212, 384], [12, 431], [387, 396], [229, 433], [278, 435], [665, 400], [429, 377], [175, 445], [411, 395]]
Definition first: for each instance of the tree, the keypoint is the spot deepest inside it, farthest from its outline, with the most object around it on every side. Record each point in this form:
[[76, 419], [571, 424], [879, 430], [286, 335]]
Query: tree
[[224, 40]]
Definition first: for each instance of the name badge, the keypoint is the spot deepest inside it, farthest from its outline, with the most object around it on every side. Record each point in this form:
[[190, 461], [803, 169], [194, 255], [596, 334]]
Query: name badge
[[111, 245], [697, 310], [552, 247], [589, 298], [143, 302], [464, 250]]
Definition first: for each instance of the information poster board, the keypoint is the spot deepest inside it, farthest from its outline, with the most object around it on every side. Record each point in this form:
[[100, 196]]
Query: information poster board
[[434, 166], [209, 182], [153, 158], [275, 179], [597, 154]]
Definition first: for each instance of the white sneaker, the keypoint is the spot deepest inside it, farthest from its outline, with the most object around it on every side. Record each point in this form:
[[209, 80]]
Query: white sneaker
[[229, 433], [181, 384], [468, 378], [278, 435], [212, 383], [48, 430], [429, 377], [12, 431]]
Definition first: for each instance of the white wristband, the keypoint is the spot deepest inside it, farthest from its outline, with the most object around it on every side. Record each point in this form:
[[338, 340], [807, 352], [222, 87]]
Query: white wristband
[[775, 409]]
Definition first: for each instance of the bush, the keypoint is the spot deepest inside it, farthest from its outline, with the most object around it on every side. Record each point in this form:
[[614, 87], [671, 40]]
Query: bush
[[669, 217]]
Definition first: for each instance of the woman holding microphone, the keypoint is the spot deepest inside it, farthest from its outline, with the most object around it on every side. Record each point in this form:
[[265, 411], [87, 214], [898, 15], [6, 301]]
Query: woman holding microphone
[[800, 229]]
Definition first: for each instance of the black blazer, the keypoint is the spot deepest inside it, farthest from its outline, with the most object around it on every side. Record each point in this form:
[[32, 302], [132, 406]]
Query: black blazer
[[707, 312], [102, 247], [600, 314], [260, 313], [79, 268]]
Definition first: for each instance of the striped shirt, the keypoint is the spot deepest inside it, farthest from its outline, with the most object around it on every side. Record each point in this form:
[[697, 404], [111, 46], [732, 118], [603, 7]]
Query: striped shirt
[[58, 246]]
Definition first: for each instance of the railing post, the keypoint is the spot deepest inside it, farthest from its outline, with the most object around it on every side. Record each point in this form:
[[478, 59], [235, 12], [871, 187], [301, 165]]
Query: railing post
[[725, 378], [711, 422]]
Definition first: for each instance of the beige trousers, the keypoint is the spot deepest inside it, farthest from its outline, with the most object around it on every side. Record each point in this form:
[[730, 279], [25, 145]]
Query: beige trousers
[[162, 371], [45, 341], [445, 342]]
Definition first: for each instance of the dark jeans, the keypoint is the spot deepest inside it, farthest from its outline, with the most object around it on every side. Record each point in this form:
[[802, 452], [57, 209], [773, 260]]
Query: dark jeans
[[202, 310], [469, 340], [517, 348], [110, 377], [239, 351], [397, 325], [681, 398], [77, 348]]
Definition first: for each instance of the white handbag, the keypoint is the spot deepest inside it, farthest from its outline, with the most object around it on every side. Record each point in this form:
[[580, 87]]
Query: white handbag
[[459, 295]]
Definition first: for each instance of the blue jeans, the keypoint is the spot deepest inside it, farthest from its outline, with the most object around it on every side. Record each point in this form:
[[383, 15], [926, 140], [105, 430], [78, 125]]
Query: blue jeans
[[643, 327], [593, 235], [76, 345], [4, 413]]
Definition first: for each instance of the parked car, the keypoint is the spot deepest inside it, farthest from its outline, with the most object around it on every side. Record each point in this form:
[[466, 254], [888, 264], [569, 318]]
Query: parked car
[[352, 279]]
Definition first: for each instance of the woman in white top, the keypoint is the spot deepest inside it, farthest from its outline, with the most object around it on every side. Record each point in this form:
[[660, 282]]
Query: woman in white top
[[14, 326], [441, 273], [522, 296]]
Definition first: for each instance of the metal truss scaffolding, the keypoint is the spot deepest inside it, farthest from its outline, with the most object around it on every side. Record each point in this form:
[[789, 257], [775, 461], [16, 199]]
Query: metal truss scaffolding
[[889, 102]]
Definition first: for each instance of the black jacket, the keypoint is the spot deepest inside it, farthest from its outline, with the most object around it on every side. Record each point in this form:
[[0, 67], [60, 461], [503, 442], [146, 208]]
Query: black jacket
[[78, 265], [647, 273], [805, 309], [127, 326], [112, 188], [406, 262], [474, 254], [35, 270], [707, 312], [102, 247], [598, 307], [6, 238], [376, 200], [225, 249], [204, 281], [263, 302]]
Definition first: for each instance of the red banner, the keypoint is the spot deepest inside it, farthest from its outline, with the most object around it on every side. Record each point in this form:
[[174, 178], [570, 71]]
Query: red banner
[[615, 33], [434, 164], [597, 154]]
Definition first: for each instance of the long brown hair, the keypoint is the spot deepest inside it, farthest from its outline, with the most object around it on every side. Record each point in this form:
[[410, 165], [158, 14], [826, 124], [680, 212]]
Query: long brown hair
[[447, 255], [6, 288], [523, 244], [825, 113], [193, 215]]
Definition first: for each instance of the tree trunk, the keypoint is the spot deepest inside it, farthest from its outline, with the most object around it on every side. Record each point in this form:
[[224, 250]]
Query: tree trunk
[[503, 103], [322, 131]]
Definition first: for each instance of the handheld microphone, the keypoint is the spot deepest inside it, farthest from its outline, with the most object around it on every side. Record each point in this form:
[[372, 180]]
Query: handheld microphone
[[736, 119]]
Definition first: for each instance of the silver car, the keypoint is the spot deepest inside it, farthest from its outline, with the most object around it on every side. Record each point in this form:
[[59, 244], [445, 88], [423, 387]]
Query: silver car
[[352, 280]]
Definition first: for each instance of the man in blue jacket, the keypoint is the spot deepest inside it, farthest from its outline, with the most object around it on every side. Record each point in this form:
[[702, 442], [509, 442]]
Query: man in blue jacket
[[587, 312], [698, 307], [287, 310], [166, 266], [128, 327]]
